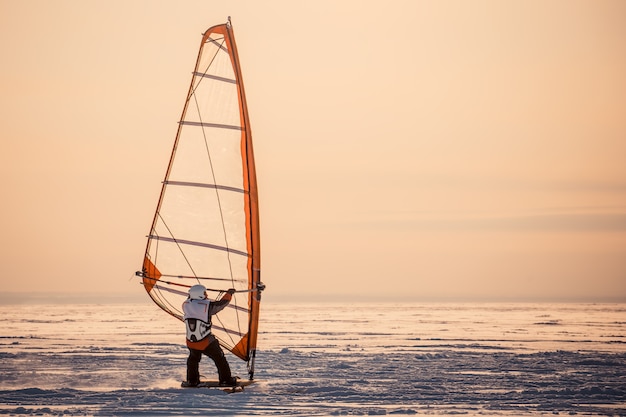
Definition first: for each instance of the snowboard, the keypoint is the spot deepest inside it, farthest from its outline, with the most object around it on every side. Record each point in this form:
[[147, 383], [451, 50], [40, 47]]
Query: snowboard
[[241, 384]]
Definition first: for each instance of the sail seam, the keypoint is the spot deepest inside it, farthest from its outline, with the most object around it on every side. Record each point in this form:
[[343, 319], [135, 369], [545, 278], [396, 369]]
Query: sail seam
[[201, 244], [205, 185]]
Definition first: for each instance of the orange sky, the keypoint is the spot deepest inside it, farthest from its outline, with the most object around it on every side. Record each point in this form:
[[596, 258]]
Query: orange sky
[[411, 150]]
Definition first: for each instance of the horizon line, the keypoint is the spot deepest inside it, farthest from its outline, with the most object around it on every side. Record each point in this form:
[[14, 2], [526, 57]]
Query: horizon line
[[18, 297]]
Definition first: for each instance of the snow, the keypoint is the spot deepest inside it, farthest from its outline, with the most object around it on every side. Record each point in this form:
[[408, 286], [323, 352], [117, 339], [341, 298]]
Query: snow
[[323, 360]]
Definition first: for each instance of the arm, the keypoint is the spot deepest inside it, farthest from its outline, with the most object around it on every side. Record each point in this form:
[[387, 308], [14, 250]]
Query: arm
[[217, 306]]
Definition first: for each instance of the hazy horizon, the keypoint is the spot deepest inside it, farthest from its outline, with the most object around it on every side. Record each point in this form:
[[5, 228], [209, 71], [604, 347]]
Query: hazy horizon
[[17, 298]]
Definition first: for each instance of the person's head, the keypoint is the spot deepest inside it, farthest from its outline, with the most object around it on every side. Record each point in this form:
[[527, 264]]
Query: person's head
[[197, 292]]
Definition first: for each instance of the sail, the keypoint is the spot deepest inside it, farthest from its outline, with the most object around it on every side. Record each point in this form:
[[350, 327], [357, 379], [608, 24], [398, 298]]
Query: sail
[[206, 226]]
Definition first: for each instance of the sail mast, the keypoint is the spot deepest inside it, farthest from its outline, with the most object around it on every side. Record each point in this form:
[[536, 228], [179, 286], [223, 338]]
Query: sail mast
[[254, 244]]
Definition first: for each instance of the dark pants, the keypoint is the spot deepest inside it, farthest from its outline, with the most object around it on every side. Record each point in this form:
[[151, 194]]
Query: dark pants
[[213, 351]]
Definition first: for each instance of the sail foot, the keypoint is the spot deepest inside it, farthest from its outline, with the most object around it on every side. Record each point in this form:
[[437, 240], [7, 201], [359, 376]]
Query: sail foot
[[241, 349]]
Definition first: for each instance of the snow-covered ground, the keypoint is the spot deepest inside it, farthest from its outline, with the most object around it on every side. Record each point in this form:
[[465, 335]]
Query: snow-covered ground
[[323, 359]]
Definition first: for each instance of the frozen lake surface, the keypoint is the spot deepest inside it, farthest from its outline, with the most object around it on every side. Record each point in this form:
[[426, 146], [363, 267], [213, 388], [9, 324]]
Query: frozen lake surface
[[323, 359]]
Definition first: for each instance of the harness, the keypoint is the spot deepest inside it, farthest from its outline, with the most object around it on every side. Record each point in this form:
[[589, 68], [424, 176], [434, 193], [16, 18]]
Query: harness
[[197, 319]]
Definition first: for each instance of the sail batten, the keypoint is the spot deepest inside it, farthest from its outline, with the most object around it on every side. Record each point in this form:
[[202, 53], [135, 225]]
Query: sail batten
[[205, 124], [218, 42], [186, 277], [198, 184], [202, 244], [215, 77], [207, 219]]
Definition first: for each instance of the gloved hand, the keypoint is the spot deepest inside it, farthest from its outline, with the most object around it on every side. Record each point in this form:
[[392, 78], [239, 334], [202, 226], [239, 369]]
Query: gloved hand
[[231, 291]]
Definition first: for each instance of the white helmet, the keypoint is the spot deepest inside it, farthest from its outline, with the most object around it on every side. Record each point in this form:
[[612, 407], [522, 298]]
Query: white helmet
[[197, 292]]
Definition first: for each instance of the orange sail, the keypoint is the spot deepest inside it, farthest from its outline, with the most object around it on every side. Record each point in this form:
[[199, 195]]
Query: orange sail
[[206, 226]]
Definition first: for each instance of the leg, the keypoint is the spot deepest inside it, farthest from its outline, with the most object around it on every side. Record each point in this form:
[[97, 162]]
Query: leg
[[215, 352], [193, 366]]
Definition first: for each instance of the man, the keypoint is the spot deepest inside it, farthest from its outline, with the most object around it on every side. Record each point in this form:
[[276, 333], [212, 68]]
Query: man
[[197, 311]]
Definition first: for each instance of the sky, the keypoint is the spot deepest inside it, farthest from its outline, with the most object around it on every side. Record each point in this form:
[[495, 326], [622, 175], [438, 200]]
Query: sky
[[405, 150]]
